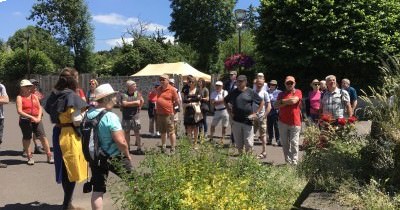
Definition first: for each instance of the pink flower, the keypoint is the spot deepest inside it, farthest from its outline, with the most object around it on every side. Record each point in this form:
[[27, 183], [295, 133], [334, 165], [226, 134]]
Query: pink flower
[[238, 60]]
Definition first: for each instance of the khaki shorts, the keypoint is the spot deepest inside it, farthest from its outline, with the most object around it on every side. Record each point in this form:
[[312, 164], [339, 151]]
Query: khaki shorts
[[133, 124], [165, 123], [260, 125]]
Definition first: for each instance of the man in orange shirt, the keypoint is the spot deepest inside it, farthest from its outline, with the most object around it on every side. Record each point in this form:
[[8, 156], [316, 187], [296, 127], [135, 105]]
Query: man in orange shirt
[[167, 99], [288, 103]]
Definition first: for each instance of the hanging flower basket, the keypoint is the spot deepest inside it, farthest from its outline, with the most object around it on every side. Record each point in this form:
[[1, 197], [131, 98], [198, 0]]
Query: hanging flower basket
[[238, 60]]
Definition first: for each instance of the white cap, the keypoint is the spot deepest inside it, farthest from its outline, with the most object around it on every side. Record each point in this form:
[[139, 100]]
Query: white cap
[[25, 82], [260, 75], [172, 80], [103, 90], [219, 83]]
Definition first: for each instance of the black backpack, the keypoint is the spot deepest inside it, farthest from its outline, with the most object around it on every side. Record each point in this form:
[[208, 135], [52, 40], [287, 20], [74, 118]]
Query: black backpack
[[90, 139]]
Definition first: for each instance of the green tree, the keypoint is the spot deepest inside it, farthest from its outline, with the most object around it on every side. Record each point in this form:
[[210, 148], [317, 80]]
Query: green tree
[[15, 66], [315, 38], [41, 40], [69, 21], [202, 24]]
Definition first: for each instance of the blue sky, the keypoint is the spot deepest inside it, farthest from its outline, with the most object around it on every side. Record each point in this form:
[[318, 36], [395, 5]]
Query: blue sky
[[111, 18]]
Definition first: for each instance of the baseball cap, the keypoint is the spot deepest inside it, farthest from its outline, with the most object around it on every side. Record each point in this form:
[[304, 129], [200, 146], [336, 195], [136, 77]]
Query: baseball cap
[[33, 81], [290, 78], [241, 78], [25, 82], [172, 80], [273, 82], [219, 83], [233, 72], [260, 75]]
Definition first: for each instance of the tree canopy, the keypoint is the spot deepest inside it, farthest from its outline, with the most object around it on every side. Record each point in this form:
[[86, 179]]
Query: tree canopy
[[202, 24], [41, 40], [69, 21], [320, 37]]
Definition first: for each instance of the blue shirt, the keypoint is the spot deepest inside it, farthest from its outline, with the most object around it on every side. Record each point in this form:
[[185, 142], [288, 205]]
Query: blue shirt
[[109, 123], [353, 94]]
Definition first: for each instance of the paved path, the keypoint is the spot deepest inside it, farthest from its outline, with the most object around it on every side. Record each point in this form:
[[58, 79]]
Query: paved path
[[33, 187]]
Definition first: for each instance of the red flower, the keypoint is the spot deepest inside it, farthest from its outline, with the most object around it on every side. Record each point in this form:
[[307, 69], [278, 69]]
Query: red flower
[[352, 119], [341, 121], [326, 118]]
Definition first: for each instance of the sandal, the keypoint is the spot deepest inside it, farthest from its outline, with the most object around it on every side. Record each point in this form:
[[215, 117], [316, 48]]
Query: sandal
[[262, 156]]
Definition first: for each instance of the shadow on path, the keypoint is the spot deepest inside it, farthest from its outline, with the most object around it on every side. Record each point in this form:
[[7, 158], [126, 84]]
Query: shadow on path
[[31, 206]]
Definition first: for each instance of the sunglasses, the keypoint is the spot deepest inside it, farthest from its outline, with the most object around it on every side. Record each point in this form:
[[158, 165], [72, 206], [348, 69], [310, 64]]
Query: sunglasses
[[289, 83], [316, 84]]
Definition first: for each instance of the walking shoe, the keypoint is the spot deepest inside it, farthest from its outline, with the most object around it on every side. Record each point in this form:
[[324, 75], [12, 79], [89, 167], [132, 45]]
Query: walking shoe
[[31, 161], [158, 133], [269, 143], [50, 159], [3, 165], [163, 149], [172, 151], [24, 154], [39, 150]]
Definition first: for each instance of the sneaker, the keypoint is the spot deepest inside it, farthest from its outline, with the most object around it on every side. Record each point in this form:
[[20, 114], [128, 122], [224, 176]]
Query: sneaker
[[39, 150], [31, 161], [269, 143], [3, 165], [50, 159], [158, 133]]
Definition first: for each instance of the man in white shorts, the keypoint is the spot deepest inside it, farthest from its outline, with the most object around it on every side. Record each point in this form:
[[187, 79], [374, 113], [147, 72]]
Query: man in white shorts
[[220, 112]]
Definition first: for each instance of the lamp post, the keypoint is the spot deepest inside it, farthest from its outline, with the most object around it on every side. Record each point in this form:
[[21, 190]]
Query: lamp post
[[240, 15], [28, 63]]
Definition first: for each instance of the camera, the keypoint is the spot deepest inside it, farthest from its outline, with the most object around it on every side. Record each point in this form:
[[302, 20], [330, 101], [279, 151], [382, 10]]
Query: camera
[[87, 187]]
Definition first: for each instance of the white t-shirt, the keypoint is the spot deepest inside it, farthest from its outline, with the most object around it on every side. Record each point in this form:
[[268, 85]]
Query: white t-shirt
[[265, 96], [219, 96]]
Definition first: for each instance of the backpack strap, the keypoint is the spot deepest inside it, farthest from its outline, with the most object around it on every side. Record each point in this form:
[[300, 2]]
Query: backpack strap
[[96, 129]]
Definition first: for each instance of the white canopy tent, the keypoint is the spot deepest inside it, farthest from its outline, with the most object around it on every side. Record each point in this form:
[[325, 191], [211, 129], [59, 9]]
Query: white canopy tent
[[179, 68]]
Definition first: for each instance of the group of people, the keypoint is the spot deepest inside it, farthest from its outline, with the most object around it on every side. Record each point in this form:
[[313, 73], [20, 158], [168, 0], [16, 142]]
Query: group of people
[[265, 109]]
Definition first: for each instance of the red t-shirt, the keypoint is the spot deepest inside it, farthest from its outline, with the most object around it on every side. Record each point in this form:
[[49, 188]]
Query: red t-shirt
[[290, 114], [165, 100]]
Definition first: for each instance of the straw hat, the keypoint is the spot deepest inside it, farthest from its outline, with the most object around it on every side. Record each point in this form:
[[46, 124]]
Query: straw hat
[[103, 90], [25, 82]]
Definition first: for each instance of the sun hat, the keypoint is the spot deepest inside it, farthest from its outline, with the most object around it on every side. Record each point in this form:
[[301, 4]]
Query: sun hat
[[219, 83], [273, 82], [25, 82], [103, 90]]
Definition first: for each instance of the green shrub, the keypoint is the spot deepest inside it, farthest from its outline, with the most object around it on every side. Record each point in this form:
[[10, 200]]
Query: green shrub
[[208, 178], [331, 157], [369, 196]]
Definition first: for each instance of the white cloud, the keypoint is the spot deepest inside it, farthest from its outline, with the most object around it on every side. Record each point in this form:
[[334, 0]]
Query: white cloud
[[118, 42], [2, 0], [117, 19]]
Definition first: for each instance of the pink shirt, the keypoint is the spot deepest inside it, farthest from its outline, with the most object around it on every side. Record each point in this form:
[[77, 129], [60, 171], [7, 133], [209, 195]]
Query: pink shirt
[[314, 97]]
